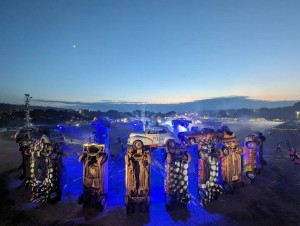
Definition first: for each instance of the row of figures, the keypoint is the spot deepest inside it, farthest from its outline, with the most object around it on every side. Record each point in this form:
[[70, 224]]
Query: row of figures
[[137, 178], [41, 169], [222, 165], [225, 164]]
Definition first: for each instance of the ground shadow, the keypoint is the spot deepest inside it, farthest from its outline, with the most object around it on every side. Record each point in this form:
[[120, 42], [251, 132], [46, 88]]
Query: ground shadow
[[179, 212], [114, 217]]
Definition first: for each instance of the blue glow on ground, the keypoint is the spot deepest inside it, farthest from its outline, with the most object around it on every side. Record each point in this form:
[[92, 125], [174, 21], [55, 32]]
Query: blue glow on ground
[[193, 214], [72, 178]]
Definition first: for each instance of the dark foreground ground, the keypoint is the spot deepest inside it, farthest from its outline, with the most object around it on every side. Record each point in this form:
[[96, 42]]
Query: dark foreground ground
[[274, 199]]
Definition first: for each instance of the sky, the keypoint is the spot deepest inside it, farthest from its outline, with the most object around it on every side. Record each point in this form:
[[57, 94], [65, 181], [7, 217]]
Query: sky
[[149, 51]]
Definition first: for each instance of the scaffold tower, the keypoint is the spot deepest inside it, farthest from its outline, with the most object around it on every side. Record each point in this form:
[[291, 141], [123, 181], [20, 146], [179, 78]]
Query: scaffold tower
[[27, 110]]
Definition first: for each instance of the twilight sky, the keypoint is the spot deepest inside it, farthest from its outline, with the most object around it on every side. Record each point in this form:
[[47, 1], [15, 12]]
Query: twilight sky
[[158, 51]]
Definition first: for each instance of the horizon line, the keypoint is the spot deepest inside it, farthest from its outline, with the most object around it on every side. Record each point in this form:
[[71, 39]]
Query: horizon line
[[150, 103]]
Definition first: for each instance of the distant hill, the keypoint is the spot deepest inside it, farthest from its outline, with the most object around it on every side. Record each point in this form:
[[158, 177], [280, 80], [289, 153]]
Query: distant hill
[[221, 103], [13, 107]]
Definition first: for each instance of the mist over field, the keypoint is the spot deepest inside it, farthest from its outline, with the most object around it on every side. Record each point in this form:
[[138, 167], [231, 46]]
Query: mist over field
[[221, 103]]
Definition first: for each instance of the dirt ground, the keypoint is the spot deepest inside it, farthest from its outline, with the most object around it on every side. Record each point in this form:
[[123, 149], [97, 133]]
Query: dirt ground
[[274, 198]]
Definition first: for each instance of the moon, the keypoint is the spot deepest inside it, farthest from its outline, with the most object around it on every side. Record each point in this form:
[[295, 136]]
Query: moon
[[74, 46]]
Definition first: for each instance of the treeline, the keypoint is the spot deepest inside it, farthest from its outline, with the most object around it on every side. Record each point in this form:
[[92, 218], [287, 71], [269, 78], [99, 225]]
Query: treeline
[[14, 115], [284, 113]]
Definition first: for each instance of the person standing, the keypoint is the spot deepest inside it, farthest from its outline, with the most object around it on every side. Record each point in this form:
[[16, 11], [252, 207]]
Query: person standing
[[278, 147], [293, 154]]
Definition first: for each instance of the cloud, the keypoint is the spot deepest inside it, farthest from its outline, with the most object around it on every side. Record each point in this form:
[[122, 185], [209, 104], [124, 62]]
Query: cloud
[[85, 103], [220, 103]]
